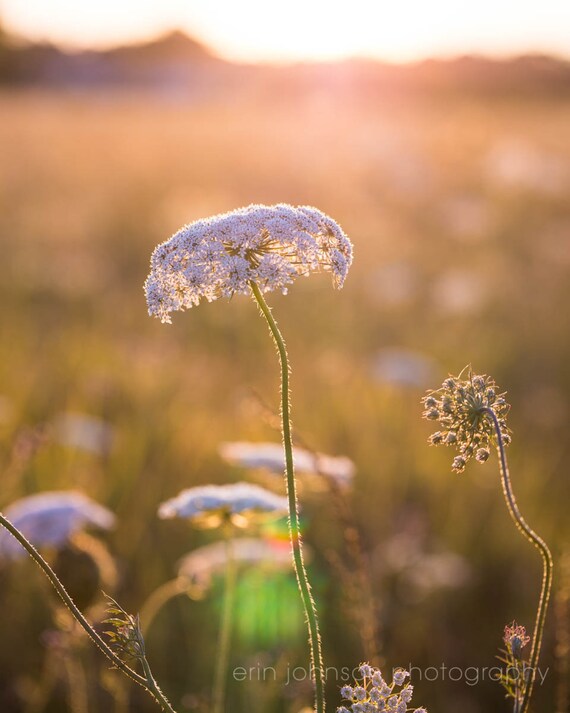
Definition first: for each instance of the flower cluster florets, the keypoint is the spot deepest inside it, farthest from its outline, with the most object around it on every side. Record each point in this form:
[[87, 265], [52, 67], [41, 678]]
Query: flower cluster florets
[[371, 693], [462, 408], [221, 256], [209, 506], [515, 638], [125, 634]]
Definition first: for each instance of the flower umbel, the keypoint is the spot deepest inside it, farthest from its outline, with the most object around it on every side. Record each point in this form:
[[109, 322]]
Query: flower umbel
[[371, 693], [461, 407], [209, 506], [50, 519], [220, 256]]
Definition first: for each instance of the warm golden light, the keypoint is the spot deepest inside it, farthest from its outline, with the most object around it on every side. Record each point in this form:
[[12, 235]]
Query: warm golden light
[[254, 30]]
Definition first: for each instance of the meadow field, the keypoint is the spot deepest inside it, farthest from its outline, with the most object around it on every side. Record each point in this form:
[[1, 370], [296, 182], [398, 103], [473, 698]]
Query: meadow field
[[459, 211]]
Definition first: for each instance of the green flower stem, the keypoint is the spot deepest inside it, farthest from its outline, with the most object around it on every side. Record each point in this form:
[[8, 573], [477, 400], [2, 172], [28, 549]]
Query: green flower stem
[[153, 688], [224, 638], [144, 681], [547, 564], [294, 527]]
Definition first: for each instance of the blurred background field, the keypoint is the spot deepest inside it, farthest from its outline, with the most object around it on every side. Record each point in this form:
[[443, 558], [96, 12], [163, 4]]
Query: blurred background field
[[453, 181]]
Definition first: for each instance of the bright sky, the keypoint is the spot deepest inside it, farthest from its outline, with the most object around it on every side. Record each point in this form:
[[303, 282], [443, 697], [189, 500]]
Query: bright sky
[[282, 30]]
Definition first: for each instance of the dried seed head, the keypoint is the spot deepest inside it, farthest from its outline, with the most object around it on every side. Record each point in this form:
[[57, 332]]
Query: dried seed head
[[462, 407]]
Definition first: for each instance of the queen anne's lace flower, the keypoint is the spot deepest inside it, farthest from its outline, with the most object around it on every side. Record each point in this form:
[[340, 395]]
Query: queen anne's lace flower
[[270, 457], [200, 564], [220, 256], [211, 505], [50, 519], [372, 694], [462, 406]]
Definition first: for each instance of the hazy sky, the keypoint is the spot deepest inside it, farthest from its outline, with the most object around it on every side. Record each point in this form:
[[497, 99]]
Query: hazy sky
[[254, 30]]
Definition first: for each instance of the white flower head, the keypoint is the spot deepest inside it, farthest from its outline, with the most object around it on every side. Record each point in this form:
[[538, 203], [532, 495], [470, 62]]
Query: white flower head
[[209, 506], [373, 694], [220, 256], [270, 457], [202, 563], [51, 519]]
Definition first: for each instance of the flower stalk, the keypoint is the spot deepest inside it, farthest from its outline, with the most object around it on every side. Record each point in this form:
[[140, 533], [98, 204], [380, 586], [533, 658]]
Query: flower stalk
[[147, 681], [294, 525], [547, 563], [224, 638]]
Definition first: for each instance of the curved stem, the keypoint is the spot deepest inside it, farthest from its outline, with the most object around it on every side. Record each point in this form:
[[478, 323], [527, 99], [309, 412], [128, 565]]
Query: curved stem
[[224, 637], [152, 687], [160, 596], [547, 564], [70, 604], [294, 527]]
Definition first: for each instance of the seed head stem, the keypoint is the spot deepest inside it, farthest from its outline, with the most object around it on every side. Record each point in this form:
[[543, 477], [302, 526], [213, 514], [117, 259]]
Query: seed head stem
[[547, 564]]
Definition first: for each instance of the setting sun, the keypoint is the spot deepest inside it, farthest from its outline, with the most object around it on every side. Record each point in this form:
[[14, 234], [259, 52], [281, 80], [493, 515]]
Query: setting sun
[[254, 30]]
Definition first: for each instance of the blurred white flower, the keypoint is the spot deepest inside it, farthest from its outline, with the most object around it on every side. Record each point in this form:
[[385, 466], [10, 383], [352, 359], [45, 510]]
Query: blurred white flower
[[270, 457], [82, 431], [201, 564], [423, 572], [520, 165], [459, 291], [220, 256], [403, 367], [50, 519], [467, 217], [395, 283], [211, 505]]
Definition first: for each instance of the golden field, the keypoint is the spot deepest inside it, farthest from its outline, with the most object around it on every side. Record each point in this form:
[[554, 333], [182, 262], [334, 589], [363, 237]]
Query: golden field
[[459, 211]]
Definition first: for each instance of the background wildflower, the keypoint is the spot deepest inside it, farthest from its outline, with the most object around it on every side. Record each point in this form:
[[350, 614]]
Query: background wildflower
[[372, 693], [50, 519], [270, 457], [461, 407], [211, 505]]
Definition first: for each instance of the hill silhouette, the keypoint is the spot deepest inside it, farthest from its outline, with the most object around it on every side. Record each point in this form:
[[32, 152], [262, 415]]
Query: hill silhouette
[[177, 61]]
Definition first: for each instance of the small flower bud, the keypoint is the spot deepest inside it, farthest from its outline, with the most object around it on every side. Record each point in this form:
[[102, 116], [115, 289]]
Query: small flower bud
[[482, 455], [458, 464]]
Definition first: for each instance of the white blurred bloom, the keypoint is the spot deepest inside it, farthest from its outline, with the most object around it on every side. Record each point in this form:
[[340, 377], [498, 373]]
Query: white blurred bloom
[[211, 505], [459, 291], [394, 283], [270, 456], [518, 164], [423, 572], [201, 564], [51, 519], [220, 256], [82, 431], [403, 367], [467, 217]]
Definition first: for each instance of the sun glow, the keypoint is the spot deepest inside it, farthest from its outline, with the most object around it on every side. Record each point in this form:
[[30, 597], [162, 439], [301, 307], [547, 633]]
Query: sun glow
[[254, 30]]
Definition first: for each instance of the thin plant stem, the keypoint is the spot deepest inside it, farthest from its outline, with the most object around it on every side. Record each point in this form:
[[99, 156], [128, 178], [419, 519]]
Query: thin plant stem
[[547, 564], [147, 681], [160, 596], [294, 526], [152, 687], [224, 637]]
